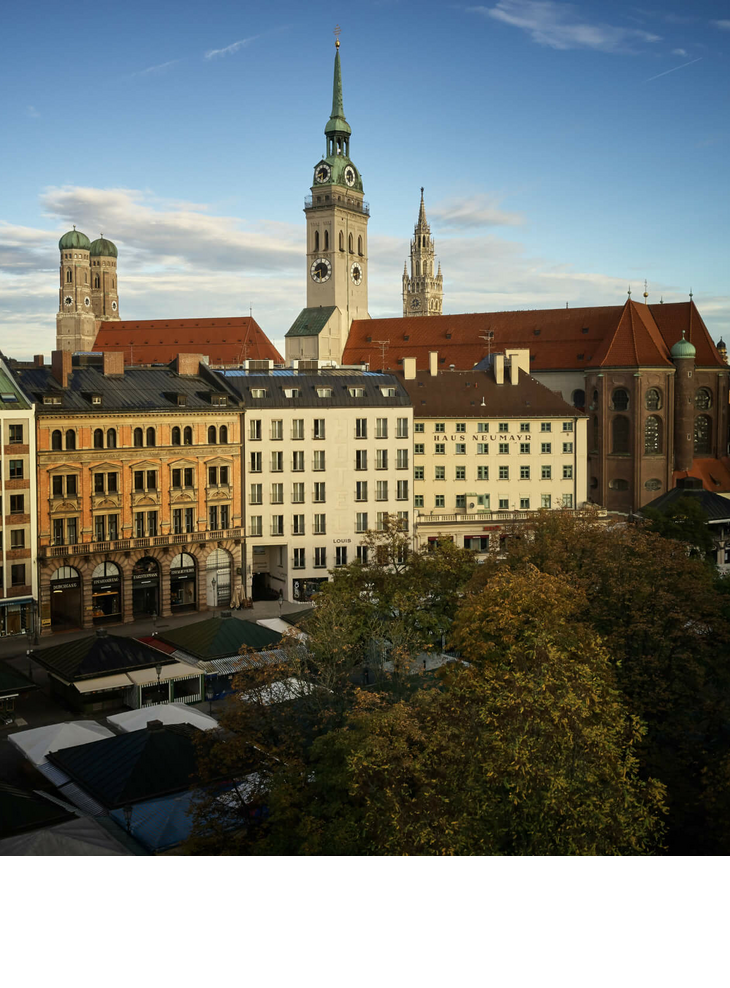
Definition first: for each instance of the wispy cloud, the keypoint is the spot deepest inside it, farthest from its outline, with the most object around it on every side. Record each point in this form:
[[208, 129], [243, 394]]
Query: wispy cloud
[[723, 25], [679, 51], [675, 69], [32, 112], [231, 49], [472, 213], [560, 26], [157, 69]]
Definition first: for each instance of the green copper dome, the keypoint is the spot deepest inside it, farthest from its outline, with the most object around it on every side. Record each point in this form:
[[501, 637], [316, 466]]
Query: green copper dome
[[74, 239], [103, 248], [682, 348]]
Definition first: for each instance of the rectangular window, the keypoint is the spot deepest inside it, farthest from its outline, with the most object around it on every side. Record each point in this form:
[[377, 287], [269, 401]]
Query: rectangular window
[[460, 426], [357, 392], [546, 447], [503, 427], [190, 519], [319, 461], [439, 473], [401, 459], [297, 524], [139, 525], [257, 494], [254, 429], [504, 448], [483, 427], [418, 501], [461, 500], [381, 490], [17, 538], [439, 427], [189, 476], [277, 493], [277, 524], [419, 427], [299, 558], [524, 473], [17, 575], [440, 501], [277, 461], [504, 504], [297, 429], [341, 555], [546, 427], [460, 473], [567, 500], [255, 525], [439, 449], [402, 517], [401, 490], [460, 449], [99, 483], [297, 494], [57, 486], [381, 428], [546, 473], [381, 520], [112, 483], [361, 459], [16, 435], [524, 426], [17, 504], [177, 521], [362, 554], [151, 480], [418, 473], [381, 459], [100, 528], [320, 557], [318, 432], [524, 448], [401, 428], [213, 518], [139, 480], [361, 428], [361, 490], [71, 530], [113, 527], [320, 525], [524, 504], [255, 462], [482, 473], [419, 448], [16, 472], [212, 476], [297, 460], [545, 501], [71, 485], [568, 472], [482, 449], [177, 478], [567, 447], [223, 476], [277, 429], [504, 473], [319, 493], [567, 426], [258, 392], [361, 521]]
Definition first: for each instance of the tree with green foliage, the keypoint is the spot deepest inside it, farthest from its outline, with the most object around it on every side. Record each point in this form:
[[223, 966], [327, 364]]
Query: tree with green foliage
[[684, 520]]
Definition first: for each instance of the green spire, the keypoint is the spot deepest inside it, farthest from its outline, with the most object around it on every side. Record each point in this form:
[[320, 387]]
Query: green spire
[[337, 123]]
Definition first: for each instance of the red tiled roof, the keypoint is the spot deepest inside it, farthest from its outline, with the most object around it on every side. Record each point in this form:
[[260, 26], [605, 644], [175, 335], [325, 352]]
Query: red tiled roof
[[714, 474], [158, 341], [558, 339]]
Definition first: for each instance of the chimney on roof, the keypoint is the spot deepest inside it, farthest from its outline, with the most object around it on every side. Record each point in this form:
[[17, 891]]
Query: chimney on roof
[[433, 363], [187, 364], [409, 368], [38, 360], [154, 725], [499, 368], [113, 363], [514, 371], [61, 366]]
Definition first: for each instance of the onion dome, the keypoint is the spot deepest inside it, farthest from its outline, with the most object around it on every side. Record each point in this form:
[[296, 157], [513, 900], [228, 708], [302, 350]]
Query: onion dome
[[682, 348], [74, 240], [103, 248]]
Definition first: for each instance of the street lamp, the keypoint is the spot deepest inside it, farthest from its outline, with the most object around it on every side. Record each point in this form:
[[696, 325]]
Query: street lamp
[[158, 670], [209, 694]]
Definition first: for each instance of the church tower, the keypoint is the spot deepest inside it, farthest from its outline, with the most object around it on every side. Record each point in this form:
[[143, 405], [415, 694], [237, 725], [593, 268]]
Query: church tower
[[423, 292], [337, 245], [104, 297], [75, 322]]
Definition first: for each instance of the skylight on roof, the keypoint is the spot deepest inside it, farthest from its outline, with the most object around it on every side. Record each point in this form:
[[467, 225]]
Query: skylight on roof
[[8, 396]]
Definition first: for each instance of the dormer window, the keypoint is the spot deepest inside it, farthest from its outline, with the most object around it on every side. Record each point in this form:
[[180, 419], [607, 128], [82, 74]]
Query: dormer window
[[51, 399], [324, 392], [8, 396], [182, 399], [96, 399], [219, 399], [292, 392], [357, 392], [388, 392], [258, 392]]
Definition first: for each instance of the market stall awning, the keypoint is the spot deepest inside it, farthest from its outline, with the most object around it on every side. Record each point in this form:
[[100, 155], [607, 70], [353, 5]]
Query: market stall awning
[[103, 683], [176, 670]]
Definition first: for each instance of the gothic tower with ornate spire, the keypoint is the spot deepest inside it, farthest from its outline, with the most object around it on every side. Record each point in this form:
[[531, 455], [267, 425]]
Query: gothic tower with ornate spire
[[75, 321], [337, 245], [423, 291]]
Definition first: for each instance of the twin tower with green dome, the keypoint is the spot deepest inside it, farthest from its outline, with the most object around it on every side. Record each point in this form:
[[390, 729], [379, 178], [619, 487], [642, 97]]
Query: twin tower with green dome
[[88, 290]]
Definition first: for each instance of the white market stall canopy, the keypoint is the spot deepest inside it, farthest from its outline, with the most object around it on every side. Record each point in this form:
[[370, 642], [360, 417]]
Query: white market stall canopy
[[36, 743], [168, 713], [282, 627]]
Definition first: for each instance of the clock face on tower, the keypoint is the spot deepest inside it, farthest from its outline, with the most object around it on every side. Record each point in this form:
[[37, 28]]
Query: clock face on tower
[[415, 303], [68, 300], [322, 173], [321, 269], [356, 273], [350, 176]]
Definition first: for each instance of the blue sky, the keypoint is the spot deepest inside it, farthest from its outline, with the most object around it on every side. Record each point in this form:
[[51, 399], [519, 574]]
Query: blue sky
[[567, 150]]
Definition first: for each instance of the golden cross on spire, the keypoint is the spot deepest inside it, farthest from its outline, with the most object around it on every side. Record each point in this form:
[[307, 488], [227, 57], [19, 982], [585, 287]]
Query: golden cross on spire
[[337, 32]]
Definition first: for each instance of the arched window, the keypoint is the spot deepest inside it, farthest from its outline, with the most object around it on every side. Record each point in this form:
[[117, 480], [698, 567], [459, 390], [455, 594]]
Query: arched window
[[619, 485], [56, 439], [653, 438], [96, 281], [653, 400], [703, 398], [69, 276], [138, 437], [342, 240], [70, 439], [418, 269], [223, 434], [150, 437], [175, 436], [188, 436], [620, 400], [596, 433], [350, 243], [316, 241], [211, 435], [579, 398], [620, 429], [98, 439], [359, 246], [105, 569], [326, 240], [703, 433], [111, 438]]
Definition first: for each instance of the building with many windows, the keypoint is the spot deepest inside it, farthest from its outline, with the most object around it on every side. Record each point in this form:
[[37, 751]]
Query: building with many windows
[[18, 519], [326, 457], [489, 447], [139, 508]]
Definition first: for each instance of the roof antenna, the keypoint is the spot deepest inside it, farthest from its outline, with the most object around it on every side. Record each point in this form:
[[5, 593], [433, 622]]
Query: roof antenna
[[382, 346], [566, 305], [661, 300], [646, 293], [690, 292], [629, 291]]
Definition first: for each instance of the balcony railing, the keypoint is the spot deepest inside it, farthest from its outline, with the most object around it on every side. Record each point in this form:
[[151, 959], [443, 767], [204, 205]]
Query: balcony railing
[[85, 548], [461, 517], [354, 205]]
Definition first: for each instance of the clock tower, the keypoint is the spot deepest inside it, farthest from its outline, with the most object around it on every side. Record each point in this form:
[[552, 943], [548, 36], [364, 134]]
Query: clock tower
[[337, 245], [423, 292], [75, 321]]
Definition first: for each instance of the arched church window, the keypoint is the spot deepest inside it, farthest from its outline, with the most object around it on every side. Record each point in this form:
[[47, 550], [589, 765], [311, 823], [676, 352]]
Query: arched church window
[[350, 243], [211, 435], [70, 439], [326, 240], [111, 438], [175, 436], [342, 240], [359, 246], [96, 281], [69, 275], [418, 269], [56, 439], [653, 439], [579, 398], [653, 400], [620, 400], [703, 398], [316, 241], [188, 436], [703, 431], [621, 434], [138, 437], [223, 434], [150, 437], [98, 439]]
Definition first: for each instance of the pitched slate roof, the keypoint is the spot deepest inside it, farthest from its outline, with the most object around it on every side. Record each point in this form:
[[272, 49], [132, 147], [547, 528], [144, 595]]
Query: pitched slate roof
[[311, 322], [558, 339], [716, 508], [98, 655], [131, 767], [220, 637], [153, 341], [12, 681], [21, 810], [339, 380]]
